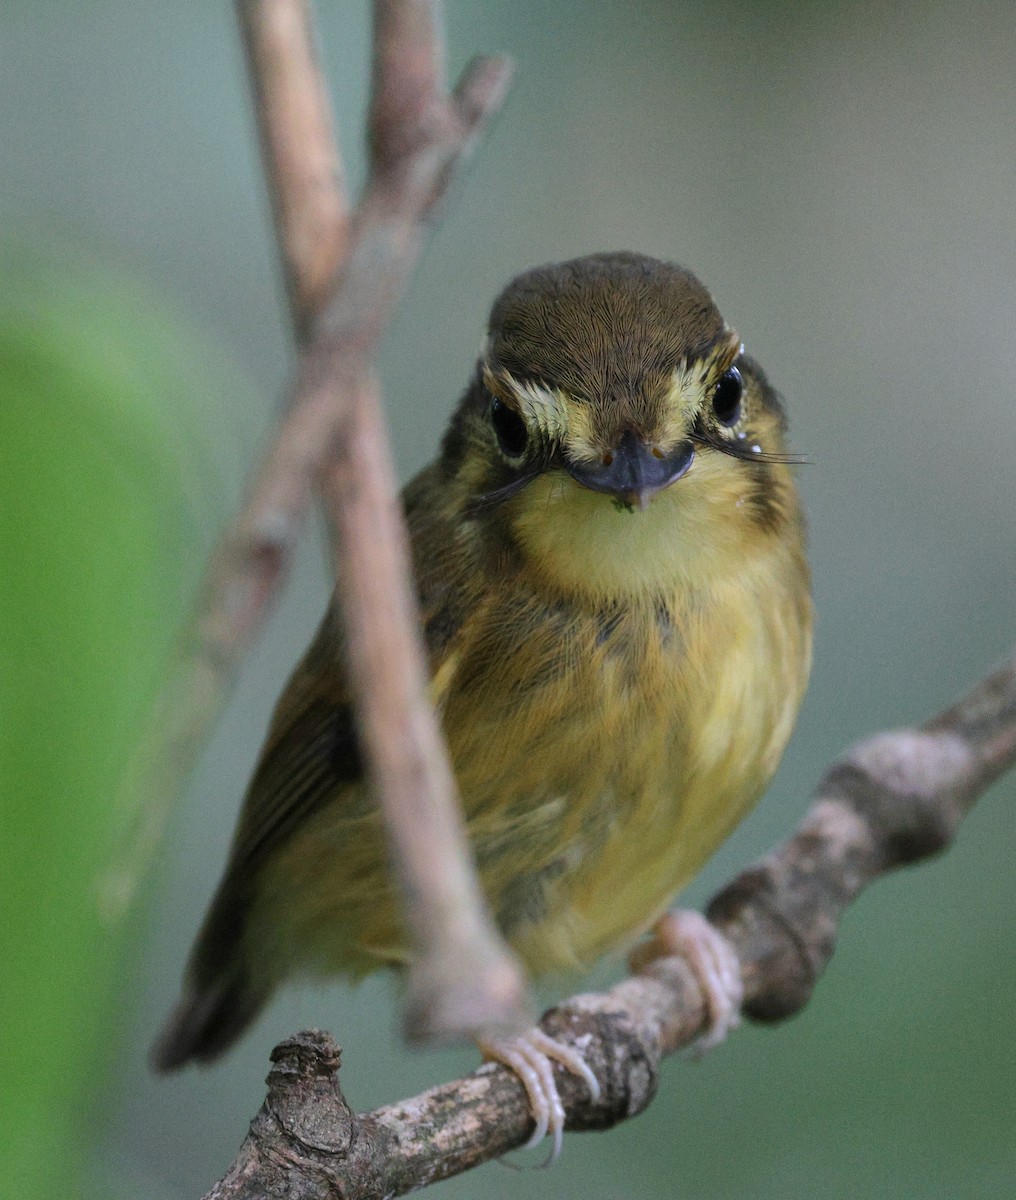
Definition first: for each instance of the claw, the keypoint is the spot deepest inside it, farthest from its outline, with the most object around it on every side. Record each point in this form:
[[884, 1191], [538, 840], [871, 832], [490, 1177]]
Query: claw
[[714, 962], [529, 1056]]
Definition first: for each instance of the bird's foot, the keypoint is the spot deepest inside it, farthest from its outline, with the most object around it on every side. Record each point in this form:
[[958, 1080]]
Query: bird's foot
[[713, 961], [529, 1055]]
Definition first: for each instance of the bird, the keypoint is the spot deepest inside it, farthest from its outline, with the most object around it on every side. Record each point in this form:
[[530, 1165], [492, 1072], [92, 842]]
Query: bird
[[609, 557]]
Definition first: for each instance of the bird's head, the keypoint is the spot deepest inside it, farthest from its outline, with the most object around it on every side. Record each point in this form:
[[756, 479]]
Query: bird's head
[[612, 401]]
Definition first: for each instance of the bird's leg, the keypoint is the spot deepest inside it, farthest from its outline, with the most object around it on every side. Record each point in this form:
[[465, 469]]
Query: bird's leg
[[713, 961], [529, 1055]]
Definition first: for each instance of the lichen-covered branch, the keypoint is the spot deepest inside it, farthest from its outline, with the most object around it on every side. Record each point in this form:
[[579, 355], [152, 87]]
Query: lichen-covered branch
[[892, 799]]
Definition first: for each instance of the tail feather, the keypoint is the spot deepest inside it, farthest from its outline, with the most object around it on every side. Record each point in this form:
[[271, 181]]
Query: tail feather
[[206, 1022], [221, 995]]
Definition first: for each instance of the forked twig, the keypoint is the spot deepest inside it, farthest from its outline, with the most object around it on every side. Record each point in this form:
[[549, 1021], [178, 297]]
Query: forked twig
[[345, 274]]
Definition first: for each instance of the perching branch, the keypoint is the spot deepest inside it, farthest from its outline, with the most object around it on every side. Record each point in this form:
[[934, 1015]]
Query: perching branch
[[345, 274], [893, 799]]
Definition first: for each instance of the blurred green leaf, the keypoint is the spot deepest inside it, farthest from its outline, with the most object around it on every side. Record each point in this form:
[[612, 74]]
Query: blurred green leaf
[[113, 479]]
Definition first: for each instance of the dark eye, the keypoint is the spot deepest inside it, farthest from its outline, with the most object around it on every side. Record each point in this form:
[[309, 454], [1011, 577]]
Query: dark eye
[[512, 434], [727, 397]]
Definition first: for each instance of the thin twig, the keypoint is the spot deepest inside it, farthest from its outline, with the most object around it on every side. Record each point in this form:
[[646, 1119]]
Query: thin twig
[[893, 799], [332, 437], [462, 981], [298, 149]]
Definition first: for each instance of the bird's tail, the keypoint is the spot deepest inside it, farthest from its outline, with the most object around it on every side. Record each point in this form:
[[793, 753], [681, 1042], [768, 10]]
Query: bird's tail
[[206, 1022], [221, 994]]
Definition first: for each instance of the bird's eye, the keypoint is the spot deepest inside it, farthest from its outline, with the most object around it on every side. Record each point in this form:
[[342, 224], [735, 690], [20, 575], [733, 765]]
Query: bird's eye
[[727, 397], [512, 434]]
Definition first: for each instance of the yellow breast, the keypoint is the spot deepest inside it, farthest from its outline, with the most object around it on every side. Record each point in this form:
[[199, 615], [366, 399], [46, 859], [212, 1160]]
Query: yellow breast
[[613, 708], [617, 711]]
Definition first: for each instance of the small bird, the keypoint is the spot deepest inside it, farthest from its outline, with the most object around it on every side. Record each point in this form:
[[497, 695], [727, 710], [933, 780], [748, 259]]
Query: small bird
[[610, 563]]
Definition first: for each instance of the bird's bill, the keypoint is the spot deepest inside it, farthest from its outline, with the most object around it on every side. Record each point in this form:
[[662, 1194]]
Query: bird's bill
[[635, 471]]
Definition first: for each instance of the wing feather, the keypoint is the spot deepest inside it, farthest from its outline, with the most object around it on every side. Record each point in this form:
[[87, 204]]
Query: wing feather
[[312, 754]]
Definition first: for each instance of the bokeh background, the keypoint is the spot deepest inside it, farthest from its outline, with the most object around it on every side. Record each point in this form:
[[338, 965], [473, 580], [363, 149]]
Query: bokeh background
[[843, 178]]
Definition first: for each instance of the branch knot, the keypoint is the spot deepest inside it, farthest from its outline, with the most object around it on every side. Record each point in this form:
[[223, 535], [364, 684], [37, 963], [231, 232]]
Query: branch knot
[[304, 1099]]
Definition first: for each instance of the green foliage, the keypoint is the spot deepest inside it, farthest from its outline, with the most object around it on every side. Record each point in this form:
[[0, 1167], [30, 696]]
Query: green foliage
[[106, 507]]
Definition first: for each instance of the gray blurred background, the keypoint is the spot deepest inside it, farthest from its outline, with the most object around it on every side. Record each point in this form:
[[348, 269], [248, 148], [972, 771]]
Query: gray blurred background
[[843, 178]]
